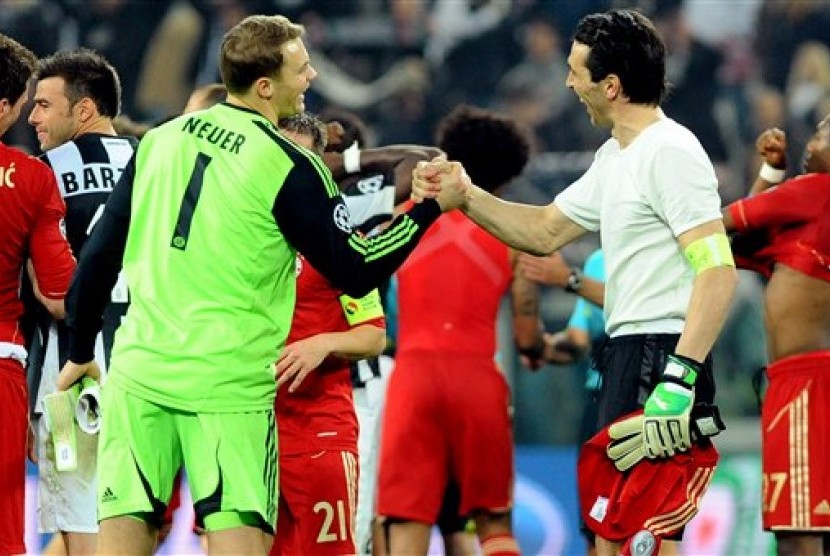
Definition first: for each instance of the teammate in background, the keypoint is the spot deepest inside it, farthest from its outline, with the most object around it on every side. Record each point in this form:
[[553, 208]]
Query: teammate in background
[[447, 401], [316, 420], [584, 335], [30, 227], [78, 94], [652, 193], [785, 235], [372, 181], [206, 199]]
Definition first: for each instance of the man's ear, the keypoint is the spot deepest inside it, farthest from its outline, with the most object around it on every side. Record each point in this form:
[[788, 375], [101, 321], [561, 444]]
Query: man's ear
[[86, 110], [264, 87], [612, 86]]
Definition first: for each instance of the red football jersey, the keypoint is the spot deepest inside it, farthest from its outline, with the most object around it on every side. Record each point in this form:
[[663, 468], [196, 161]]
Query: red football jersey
[[469, 271], [319, 415], [30, 227], [658, 496], [796, 215]]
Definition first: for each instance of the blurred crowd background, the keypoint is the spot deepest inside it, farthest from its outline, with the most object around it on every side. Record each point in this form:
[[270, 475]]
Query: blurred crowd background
[[736, 67]]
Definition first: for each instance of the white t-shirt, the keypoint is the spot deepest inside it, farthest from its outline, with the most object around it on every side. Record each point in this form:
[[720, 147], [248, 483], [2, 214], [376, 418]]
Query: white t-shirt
[[641, 198]]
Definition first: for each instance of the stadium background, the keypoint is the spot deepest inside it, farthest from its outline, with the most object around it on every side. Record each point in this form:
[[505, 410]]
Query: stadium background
[[736, 67]]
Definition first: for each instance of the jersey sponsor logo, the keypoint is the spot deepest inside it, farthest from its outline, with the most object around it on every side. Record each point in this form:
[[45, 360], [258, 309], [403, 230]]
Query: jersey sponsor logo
[[370, 185], [94, 178], [342, 219]]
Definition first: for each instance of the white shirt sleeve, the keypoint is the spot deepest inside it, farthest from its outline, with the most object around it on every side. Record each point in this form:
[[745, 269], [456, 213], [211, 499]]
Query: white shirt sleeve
[[683, 188], [582, 200]]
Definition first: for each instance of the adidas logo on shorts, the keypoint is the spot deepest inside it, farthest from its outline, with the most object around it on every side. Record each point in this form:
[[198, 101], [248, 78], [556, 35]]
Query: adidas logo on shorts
[[108, 496]]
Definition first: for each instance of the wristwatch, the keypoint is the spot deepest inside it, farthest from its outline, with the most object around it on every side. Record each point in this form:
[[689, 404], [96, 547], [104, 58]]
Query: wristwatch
[[574, 281]]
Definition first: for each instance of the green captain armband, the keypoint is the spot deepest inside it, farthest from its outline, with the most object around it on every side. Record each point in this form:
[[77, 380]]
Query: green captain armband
[[709, 252], [361, 310]]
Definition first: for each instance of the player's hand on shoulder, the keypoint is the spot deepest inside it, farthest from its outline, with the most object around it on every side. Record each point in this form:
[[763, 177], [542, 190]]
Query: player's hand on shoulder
[[73, 372]]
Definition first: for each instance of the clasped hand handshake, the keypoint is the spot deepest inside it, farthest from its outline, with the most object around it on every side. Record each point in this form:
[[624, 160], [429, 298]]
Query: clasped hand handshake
[[443, 180], [664, 428]]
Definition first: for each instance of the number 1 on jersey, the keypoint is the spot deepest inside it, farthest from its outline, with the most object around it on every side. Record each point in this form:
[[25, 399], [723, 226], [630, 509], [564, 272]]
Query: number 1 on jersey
[[189, 200]]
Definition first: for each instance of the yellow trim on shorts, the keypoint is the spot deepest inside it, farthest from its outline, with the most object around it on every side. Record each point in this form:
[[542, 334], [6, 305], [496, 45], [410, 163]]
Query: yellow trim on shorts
[[709, 252]]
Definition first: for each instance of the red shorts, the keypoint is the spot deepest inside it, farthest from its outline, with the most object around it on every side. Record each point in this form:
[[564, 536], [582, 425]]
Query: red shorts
[[318, 501], [654, 499], [13, 430], [795, 432], [445, 418]]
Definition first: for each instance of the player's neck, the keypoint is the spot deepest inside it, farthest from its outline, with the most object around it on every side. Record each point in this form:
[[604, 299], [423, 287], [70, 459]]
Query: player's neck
[[631, 119], [101, 125], [252, 102]]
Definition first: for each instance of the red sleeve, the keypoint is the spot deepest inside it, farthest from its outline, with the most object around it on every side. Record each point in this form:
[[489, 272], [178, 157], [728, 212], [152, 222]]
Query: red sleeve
[[49, 250], [787, 203]]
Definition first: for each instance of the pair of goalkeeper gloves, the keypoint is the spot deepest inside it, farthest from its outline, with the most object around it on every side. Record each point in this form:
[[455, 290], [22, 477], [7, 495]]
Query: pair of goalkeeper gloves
[[666, 426]]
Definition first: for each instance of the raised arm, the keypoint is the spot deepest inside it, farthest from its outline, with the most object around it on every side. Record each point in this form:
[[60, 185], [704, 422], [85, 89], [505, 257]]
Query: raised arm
[[323, 233], [400, 159], [539, 230], [772, 147], [533, 229]]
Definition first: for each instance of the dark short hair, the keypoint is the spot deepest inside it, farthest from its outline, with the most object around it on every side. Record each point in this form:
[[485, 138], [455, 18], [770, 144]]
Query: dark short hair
[[493, 148], [17, 63], [252, 49], [307, 124], [354, 129], [625, 43], [87, 74]]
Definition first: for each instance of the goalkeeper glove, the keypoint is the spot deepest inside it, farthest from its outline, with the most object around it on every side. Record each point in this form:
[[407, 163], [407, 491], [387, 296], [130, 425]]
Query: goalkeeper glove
[[626, 447], [666, 417]]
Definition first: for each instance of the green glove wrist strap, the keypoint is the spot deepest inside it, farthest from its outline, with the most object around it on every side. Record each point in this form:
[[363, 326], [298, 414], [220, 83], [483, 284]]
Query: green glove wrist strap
[[681, 370]]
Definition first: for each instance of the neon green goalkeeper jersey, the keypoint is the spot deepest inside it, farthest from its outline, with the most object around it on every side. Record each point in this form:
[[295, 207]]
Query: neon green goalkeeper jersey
[[213, 205]]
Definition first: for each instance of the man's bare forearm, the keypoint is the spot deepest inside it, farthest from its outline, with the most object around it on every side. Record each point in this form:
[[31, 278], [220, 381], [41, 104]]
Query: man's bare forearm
[[593, 291], [533, 229], [708, 309]]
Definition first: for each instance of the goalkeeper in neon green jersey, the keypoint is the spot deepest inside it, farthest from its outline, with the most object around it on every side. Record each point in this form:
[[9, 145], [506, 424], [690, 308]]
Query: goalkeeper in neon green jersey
[[206, 219]]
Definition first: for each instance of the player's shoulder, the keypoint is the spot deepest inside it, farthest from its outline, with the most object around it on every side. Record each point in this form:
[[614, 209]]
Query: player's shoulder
[[672, 135], [19, 164], [809, 180]]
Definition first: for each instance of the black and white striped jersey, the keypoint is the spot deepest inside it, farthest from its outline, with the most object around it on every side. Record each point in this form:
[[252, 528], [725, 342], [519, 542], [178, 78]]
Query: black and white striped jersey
[[86, 170]]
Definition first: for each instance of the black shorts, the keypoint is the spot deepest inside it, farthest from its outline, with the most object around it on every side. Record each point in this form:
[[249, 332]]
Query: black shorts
[[631, 366]]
